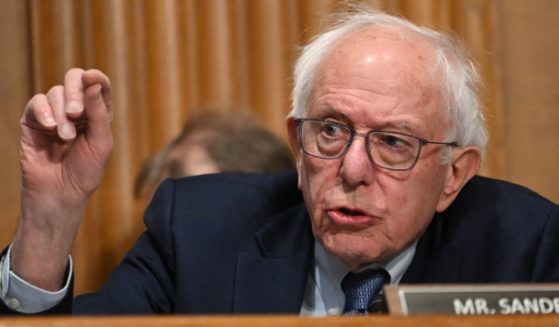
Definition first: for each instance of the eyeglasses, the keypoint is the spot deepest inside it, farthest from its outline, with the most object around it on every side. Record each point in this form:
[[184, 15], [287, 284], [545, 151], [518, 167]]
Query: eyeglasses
[[389, 150]]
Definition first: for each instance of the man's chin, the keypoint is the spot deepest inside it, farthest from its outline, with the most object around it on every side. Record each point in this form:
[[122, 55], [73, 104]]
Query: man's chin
[[353, 251]]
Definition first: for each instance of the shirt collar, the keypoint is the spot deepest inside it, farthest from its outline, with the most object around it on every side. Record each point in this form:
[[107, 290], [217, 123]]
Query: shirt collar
[[329, 272]]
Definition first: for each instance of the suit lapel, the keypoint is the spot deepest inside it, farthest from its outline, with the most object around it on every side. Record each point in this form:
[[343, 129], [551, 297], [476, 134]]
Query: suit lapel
[[265, 285], [436, 258], [274, 281]]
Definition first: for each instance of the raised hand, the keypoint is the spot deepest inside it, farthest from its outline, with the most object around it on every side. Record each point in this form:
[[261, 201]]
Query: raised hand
[[66, 142]]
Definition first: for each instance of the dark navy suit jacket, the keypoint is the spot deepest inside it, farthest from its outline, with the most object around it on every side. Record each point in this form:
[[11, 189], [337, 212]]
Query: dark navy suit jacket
[[242, 243]]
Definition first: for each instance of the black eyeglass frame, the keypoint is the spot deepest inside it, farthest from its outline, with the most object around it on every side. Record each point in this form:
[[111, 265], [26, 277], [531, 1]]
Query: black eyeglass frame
[[354, 133]]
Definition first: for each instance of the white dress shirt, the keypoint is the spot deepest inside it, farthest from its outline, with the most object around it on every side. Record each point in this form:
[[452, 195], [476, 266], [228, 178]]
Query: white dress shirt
[[323, 293]]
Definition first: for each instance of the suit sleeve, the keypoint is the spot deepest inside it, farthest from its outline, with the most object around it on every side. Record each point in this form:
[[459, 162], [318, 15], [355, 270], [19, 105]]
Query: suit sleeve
[[143, 282]]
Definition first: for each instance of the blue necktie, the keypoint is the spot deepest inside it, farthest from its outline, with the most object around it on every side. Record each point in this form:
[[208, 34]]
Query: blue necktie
[[359, 288]]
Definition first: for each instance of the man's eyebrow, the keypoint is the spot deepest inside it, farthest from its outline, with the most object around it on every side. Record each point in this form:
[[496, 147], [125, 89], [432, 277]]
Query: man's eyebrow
[[328, 110], [375, 123], [398, 125]]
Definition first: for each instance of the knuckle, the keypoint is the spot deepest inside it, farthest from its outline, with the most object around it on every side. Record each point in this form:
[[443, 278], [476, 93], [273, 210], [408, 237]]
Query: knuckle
[[55, 90]]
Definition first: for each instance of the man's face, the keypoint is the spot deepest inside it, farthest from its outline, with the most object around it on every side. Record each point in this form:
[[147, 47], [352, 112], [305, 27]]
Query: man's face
[[381, 80]]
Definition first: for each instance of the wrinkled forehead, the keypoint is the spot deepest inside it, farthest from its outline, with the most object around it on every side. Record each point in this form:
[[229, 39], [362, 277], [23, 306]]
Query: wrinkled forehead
[[381, 74], [391, 53]]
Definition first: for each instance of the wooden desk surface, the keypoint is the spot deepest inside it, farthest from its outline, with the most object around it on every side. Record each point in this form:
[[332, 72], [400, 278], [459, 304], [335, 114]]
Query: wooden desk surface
[[272, 321]]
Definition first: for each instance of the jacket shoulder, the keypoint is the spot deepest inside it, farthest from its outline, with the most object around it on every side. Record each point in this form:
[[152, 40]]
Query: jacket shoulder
[[221, 201], [480, 185], [487, 202], [494, 231]]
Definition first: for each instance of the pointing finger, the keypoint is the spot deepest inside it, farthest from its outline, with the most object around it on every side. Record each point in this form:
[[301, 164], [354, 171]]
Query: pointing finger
[[73, 92]]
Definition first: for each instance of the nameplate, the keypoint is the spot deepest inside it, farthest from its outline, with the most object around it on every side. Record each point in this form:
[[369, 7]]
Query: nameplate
[[501, 299]]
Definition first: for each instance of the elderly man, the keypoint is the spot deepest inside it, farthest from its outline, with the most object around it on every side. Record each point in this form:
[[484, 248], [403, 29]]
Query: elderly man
[[388, 136]]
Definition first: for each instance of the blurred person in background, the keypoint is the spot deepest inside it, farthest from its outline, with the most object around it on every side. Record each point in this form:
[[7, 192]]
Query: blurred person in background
[[215, 142]]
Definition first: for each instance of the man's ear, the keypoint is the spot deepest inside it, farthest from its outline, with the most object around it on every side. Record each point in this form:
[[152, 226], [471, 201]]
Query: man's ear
[[464, 165], [293, 135]]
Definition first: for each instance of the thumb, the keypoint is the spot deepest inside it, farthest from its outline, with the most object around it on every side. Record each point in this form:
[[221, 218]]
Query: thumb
[[98, 131]]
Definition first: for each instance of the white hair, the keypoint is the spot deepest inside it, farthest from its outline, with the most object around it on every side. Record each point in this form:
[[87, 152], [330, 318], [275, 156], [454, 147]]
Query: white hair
[[459, 80]]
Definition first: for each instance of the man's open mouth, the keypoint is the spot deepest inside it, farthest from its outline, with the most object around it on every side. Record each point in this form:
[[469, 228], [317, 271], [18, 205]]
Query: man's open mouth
[[350, 212]]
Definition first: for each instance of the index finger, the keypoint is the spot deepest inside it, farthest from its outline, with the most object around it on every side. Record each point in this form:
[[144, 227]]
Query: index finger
[[73, 92]]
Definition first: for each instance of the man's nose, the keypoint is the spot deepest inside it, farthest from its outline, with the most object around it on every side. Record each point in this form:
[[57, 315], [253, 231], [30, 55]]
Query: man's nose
[[357, 167]]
